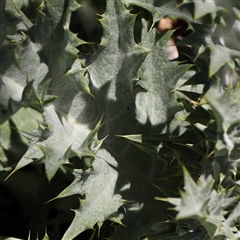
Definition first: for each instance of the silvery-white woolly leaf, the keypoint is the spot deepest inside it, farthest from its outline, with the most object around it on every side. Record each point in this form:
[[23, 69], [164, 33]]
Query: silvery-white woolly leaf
[[22, 61], [65, 138], [210, 212], [55, 143], [202, 8], [234, 216], [19, 64], [157, 81], [161, 9], [77, 74], [99, 200], [155, 103], [222, 102], [13, 138], [111, 69], [221, 36], [9, 238], [108, 72], [111, 79]]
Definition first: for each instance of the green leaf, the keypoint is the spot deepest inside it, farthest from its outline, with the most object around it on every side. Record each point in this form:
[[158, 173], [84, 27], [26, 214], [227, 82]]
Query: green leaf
[[46, 237]]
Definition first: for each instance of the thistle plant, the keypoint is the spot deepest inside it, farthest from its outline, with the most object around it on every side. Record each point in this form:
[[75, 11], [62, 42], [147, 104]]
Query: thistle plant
[[119, 119]]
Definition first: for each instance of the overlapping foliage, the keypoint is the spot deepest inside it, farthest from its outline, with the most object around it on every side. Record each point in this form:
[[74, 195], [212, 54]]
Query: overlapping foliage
[[112, 129]]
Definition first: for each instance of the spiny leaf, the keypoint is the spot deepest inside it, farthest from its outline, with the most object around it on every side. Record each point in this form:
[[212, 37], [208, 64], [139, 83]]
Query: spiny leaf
[[222, 103], [65, 140], [234, 216], [210, 212], [161, 9], [56, 143], [191, 196], [32, 153], [9, 238], [11, 93], [46, 237], [220, 55], [148, 143], [78, 75], [202, 8], [53, 159], [157, 80], [100, 199], [130, 107]]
